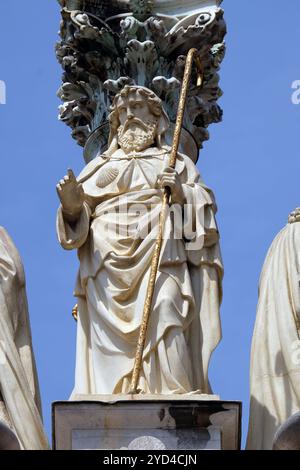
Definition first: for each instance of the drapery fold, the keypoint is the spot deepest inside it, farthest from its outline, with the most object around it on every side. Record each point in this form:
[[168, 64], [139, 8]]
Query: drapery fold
[[275, 355], [18, 377]]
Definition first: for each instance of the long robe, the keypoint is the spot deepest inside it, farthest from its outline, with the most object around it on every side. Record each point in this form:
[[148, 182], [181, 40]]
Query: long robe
[[19, 389], [275, 355], [115, 247]]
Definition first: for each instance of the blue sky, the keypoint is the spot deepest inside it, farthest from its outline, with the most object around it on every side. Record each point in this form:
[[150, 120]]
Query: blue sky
[[251, 162]]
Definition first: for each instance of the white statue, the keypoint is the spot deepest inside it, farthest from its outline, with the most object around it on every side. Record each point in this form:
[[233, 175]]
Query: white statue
[[20, 406], [275, 357], [110, 214]]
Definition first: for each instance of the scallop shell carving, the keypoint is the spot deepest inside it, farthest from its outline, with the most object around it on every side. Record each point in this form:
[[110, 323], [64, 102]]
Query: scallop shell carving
[[107, 176]]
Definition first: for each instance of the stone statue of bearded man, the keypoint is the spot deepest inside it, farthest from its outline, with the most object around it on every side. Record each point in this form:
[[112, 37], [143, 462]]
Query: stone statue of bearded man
[[110, 213]]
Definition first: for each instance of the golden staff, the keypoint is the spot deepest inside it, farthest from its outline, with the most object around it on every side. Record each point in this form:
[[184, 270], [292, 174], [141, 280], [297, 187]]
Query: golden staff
[[192, 56]]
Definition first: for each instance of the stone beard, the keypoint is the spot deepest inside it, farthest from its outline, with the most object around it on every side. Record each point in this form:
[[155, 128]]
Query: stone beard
[[136, 136], [115, 264]]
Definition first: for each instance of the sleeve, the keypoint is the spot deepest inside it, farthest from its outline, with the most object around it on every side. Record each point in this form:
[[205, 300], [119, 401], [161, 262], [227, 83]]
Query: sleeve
[[73, 236], [200, 226], [201, 231]]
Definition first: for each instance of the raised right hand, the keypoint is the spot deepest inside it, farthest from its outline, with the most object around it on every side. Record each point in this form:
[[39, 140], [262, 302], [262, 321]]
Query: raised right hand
[[71, 195]]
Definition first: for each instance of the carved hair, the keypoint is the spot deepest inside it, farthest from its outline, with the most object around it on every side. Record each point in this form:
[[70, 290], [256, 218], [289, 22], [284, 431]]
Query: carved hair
[[155, 107]]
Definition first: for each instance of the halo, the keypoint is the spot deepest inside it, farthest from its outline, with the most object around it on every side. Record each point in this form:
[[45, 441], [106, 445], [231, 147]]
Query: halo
[[97, 142]]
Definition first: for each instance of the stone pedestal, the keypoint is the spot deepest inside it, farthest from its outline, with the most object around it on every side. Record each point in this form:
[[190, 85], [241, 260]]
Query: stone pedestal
[[195, 422]]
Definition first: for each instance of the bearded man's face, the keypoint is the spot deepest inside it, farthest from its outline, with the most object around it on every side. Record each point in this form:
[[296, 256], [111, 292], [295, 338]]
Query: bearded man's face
[[138, 127]]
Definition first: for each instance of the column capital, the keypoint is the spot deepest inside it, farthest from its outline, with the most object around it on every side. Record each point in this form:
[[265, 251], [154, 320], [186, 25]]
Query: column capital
[[108, 44]]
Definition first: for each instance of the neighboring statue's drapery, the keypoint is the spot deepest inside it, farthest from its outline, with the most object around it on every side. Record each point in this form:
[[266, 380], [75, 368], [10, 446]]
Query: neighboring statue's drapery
[[275, 357], [19, 390], [184, 327]]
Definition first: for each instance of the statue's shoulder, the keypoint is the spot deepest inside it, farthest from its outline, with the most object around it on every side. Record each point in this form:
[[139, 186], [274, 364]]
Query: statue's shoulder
[[184, 162], [10, 251], [3, 232], [6, 240], [90, 169]]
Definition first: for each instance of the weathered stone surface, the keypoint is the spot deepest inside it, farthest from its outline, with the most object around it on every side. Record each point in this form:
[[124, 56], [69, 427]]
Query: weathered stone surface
[[149, 422]]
